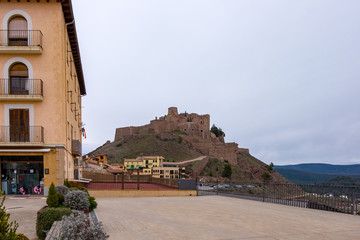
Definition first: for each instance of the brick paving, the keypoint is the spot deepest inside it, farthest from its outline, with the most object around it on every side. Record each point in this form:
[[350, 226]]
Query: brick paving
[[206, 217], [23, 210], [218, 217]]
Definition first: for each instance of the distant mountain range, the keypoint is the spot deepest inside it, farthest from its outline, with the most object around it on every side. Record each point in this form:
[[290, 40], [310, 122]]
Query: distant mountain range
[[310, 173]]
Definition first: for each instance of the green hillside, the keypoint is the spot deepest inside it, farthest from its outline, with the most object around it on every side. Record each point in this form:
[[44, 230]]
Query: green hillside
[[146, 145], [301, 177], [322, 168]]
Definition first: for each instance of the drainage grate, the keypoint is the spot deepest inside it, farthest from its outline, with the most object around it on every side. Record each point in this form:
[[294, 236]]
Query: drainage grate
[[14, 208]]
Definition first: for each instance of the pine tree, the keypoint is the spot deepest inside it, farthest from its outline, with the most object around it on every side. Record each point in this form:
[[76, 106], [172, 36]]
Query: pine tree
[[67, 183], [52, 199], [7, 228], [227, 171]]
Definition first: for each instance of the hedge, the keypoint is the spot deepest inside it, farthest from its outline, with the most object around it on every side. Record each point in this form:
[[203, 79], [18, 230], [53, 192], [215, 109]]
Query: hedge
[[46, 217]]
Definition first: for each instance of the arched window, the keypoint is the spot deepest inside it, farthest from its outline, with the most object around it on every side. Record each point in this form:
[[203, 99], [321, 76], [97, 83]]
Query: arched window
[[18, 31], [19, 75]]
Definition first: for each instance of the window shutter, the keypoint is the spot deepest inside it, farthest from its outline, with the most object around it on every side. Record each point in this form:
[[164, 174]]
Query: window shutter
[[18, 28], [18, 70]]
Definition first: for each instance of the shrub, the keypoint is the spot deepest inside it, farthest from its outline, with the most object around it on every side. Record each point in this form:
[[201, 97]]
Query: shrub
[[266, 176], [61, 198], [46, 217], [119, 144], [179, 139], [93, 203], [217, 131], [7, 228], [79, 189], [77, 200], [52, 199], [20, 236], [62, 189], [270, 167], [78, 226], [227, 171], [67, 183], [210, 173]]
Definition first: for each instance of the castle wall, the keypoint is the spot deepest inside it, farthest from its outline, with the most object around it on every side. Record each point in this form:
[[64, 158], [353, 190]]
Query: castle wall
[[197, 129], [192, 124], [122, 133]]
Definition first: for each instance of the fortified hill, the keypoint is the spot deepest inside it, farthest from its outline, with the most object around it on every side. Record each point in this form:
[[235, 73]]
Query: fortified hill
[[196, 129]]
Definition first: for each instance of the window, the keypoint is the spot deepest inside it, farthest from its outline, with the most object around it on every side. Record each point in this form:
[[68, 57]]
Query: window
[[72, 132], [18, 31], [18, 74], [19, 125]]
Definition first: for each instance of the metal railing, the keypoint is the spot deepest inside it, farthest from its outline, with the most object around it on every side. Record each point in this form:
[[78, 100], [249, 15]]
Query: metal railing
[[21, 38], [24, 86], [343, 199], [13, 134]]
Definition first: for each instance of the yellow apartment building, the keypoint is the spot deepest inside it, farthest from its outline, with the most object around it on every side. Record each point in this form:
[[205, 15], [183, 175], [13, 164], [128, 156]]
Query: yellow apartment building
[[41, 84], [169, 170], [146, 163], [133, 163]]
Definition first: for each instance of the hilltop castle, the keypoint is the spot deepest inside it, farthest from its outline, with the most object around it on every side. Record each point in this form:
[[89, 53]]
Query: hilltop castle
[[196, 129], [190, 123]]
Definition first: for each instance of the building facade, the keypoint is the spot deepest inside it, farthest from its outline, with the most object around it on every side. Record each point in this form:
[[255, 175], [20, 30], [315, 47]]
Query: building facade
[[40, 95], [155, 166], [169, 170], [145, 164]]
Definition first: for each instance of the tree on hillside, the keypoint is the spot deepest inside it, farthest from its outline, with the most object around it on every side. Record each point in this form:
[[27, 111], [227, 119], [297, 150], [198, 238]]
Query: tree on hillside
[[270, 167], [227, 171], [266, 176], [217, 131]]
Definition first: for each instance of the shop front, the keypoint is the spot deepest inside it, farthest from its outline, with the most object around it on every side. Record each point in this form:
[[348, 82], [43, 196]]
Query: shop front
[[22, 175]]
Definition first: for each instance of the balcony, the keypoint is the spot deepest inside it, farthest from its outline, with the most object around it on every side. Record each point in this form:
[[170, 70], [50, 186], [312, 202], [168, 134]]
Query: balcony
[[76, 148], [21, 41], [21, 134], [18, 89]]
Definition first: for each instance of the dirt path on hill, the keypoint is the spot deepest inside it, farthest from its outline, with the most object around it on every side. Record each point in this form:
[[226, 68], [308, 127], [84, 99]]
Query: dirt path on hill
[[192, 160]]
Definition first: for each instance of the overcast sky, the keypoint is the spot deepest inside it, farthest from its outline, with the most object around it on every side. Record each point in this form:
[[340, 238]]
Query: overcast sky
[[280, 77]]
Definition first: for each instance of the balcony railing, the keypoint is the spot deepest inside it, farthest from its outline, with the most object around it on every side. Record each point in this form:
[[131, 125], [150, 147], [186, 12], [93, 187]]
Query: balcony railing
[[21, 134], [21, 86], [76, 147], [21, 38]]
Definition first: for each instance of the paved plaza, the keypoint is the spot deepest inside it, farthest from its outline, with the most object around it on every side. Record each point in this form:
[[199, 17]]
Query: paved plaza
[[218, 217], [206, 217], [23, 210]]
